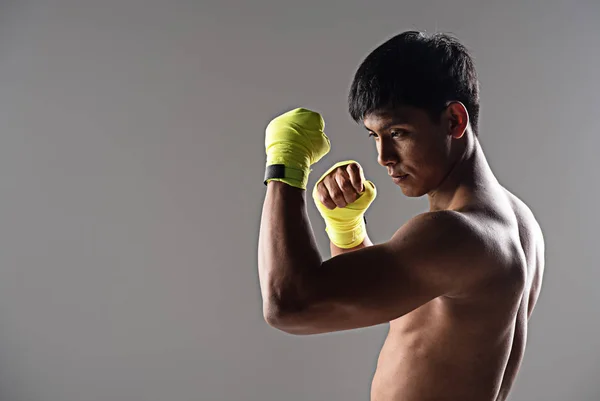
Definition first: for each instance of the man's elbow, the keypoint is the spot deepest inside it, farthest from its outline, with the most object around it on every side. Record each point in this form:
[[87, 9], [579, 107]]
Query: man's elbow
[[286, 317], [272, 314]]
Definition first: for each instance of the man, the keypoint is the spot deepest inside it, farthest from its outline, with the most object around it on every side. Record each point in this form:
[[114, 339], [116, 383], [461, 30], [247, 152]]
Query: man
[[457, 283]]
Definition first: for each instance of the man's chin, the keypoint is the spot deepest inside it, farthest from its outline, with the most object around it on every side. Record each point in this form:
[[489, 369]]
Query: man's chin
[[412, 192]]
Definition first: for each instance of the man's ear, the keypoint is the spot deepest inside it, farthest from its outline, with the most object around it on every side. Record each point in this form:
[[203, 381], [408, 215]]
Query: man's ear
[[457, 118]]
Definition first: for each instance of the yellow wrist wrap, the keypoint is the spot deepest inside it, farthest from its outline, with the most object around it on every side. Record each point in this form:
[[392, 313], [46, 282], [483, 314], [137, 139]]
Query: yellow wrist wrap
[[346, 226]]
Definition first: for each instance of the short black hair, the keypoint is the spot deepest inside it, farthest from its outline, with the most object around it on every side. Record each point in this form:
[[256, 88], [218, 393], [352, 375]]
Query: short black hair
[[416, 69]]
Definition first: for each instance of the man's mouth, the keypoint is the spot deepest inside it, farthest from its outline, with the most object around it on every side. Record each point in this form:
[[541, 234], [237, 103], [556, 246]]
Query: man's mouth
[[399, 178]]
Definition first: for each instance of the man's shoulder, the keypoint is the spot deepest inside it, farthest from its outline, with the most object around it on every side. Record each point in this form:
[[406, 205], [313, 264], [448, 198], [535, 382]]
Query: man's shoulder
[[442, 226], [445, 247], [486, 244], [525, 216], [440, 219]]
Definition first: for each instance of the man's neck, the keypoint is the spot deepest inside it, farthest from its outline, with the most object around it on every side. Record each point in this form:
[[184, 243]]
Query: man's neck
[[470, 172]]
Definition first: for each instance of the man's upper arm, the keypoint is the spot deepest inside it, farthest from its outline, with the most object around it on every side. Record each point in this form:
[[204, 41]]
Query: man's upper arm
[[431, 255]]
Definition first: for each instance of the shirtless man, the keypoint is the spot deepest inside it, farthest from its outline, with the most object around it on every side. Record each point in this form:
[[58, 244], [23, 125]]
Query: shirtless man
[[458, 283]]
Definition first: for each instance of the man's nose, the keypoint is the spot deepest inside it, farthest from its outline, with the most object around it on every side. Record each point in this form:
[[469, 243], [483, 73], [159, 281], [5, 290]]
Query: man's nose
[[387, 154]]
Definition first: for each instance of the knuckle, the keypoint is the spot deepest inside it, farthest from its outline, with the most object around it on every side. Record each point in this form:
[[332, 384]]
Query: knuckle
[[339, 199], [328, 181], [347, 186], [339, 176], [335, 192], [354, 168], [320, 187], [355, 174], [333, 173]]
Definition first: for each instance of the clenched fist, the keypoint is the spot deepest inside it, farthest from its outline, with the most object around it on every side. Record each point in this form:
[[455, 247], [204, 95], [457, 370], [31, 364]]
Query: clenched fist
[[341, 185], [293, 142], [342, 195]]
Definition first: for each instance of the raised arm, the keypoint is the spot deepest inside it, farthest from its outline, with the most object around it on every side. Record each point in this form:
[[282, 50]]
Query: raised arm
[[287, 250], [427, 257]]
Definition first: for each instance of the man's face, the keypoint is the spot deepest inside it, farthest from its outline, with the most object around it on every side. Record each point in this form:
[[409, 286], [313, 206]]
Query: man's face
[[410, 143]]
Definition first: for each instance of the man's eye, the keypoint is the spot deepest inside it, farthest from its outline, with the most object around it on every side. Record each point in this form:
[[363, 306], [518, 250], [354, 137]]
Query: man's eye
[[398, 133], [371, 134]]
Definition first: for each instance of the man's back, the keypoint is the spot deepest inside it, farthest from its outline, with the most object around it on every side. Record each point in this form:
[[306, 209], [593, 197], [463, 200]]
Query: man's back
[[469, 346]]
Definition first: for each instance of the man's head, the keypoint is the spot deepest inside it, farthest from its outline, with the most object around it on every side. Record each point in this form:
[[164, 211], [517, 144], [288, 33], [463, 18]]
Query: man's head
[[415, 94]]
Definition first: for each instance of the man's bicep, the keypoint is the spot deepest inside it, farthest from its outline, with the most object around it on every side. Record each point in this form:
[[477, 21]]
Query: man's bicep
[[378, 283], [425, 258], [378, 276], [366, 287]]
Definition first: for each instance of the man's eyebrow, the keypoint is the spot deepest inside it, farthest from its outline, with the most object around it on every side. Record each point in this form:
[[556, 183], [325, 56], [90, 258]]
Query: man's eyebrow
[[396, 121]]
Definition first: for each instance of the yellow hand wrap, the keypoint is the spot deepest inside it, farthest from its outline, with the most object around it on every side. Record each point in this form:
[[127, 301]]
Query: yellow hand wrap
[[346, 226], [294, 141]]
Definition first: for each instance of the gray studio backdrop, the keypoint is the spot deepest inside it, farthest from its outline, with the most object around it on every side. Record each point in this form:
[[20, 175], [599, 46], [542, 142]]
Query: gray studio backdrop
[[131, 165]]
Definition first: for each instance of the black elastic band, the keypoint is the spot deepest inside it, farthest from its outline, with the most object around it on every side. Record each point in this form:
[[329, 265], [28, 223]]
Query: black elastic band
[[274, 171]]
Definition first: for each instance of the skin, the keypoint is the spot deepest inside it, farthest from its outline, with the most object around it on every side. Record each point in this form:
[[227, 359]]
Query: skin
[[457, 284]]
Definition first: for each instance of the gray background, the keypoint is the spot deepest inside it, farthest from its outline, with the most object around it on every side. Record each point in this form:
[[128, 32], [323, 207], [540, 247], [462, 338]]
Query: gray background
[[131, 164]]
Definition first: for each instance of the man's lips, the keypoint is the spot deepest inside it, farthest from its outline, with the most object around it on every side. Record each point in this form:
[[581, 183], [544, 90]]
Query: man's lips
[[399, 178]]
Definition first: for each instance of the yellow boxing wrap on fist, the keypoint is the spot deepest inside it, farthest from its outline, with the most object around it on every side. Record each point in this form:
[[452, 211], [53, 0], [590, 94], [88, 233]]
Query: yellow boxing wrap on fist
[[346, 226], [293, 142]]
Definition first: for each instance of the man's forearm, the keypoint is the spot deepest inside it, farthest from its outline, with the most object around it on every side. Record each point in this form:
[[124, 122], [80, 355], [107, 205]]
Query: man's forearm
[[337, 251], [287, 249]]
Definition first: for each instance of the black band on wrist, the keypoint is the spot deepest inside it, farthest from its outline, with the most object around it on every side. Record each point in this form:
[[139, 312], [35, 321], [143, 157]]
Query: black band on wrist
[[274, 171]]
